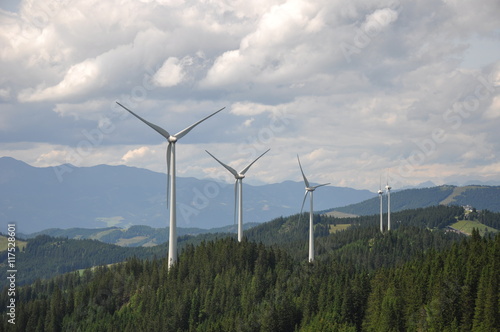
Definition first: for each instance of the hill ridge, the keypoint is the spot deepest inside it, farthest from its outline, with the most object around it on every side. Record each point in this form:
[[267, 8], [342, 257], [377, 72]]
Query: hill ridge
[[481, 197]]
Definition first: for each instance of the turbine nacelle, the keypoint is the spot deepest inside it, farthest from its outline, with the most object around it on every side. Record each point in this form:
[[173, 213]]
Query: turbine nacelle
[[309, 189], [172, 139], [380, 192]]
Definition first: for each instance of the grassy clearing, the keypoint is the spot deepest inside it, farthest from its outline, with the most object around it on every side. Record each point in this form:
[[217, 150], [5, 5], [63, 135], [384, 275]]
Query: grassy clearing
[[127, 242], [338, 228], [4, 241], [338, 214], [466, 226]]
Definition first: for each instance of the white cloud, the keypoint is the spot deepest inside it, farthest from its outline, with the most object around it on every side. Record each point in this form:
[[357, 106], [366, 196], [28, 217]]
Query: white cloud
[[246, 108], [380, 18], [137, 154], [170, 74], [77, 80]]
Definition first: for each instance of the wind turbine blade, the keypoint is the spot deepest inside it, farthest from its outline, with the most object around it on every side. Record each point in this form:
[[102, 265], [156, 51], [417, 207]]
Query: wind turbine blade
[[183, 132], [229, 168], [158, 129], [303, 202], [246, 168], [320, 185], [169, 151], [305, 179], [235, 199]]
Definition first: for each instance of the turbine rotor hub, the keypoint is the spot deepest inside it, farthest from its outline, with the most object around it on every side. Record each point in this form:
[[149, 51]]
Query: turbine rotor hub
[[172, 139]]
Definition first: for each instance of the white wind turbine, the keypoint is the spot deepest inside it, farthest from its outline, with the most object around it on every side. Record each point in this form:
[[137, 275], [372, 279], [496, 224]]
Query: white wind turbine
[[238, 194], [388, 189], [172, 139], [380, 192], [309, 190]]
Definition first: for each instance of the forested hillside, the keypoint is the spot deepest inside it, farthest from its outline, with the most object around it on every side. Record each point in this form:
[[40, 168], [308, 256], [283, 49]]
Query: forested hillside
[[480, 197], [411, 278], [230, 286], [45, 256], [401, 200]]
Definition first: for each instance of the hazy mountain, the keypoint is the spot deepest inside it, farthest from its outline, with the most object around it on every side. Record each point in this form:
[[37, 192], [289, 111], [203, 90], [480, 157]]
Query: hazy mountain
[[134, 236], [106, 196], [478, 196]]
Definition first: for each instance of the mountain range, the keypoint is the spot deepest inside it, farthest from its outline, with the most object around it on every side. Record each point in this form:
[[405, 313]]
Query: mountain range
[[133, 236], [38, 198]]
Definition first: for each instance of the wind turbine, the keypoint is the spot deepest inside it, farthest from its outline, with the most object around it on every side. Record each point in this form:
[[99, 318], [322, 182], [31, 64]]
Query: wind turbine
[[309, 190], [380, 192], [172, 139], [238, 195], [388, 189]]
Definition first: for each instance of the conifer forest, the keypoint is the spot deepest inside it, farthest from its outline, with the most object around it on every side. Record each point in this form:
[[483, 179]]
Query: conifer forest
[[416, 277]]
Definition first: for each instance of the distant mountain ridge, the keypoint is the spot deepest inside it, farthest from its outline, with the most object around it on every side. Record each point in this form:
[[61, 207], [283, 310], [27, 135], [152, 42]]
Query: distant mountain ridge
[[134, 236], [122, 196], [477, 196]]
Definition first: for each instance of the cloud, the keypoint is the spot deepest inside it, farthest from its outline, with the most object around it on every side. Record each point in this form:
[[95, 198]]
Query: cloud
[[5, 94], [90, 109], [379, 19], [355, 87], [170, 73], [137, 154], [277, 50], [77, 80]]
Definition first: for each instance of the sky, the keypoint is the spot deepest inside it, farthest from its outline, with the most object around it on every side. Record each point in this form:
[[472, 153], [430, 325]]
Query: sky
[[403, 91]]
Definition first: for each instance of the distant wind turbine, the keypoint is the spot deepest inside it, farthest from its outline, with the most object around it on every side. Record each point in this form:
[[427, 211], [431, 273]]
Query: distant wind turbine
[[172, 139], [380, 192], [388, 189], [309, 190], [238, 194]]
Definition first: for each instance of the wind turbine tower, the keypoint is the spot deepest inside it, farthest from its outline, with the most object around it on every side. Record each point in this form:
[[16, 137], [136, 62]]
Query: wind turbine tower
[[172, 139], [388, 189], [380, 192], [238, 190], [309, 190]]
